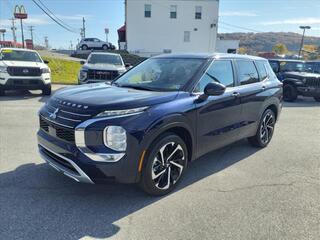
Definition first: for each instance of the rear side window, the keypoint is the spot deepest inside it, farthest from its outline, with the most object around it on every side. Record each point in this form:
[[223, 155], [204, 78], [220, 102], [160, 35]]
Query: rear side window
[[247, 72], [219, 71], [261, 70]]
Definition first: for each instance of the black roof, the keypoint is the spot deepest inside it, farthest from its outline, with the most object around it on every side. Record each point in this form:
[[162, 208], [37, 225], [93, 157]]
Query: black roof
[[209, 55]]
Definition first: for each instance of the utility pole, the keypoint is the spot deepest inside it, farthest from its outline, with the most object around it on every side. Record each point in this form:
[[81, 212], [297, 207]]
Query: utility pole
[[3, 31], [31, 28], [13, 28], [302, 40], [83, 28], [22, 36], [46, 42]]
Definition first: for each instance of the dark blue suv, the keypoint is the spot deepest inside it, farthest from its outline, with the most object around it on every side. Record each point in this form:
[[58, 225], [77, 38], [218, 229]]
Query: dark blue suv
[[149, 123]]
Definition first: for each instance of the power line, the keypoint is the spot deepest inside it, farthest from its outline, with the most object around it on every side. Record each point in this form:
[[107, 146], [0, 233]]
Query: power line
[[63, 26], [239, 27], [62, 22]]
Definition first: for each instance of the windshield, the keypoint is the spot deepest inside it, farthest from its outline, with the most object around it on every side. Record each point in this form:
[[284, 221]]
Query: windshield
[[292, 66], [19, 55], [160, 74], [104, 58], [312, 67]]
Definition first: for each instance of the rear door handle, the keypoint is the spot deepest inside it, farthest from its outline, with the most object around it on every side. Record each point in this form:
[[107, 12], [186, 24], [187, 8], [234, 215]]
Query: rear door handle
[[236, 94]]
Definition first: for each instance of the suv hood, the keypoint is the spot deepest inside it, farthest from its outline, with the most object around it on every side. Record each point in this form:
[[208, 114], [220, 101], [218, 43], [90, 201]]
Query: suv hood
[[104, 97], [301, 75], [22, 64], [103, 66]]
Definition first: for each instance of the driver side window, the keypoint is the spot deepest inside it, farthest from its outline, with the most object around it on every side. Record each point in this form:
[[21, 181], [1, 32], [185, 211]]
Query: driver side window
[[220, 71]]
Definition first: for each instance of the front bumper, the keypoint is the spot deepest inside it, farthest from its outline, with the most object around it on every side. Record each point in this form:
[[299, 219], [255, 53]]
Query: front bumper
[[88, 166], [8, 82], [309, 91]]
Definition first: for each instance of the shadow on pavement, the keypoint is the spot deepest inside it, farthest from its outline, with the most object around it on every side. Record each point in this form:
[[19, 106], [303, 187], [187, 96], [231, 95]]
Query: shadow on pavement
[[17, 95], [302, 102], [39, 203]]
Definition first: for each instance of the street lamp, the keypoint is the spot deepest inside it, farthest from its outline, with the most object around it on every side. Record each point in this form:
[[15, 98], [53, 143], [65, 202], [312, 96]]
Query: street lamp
[[302, 40]]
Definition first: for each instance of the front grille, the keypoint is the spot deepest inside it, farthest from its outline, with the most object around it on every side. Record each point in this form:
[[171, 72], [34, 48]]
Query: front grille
[[59, 160], [24, 82], [56, 130], [102, 74], [313, 82], [24, 71]]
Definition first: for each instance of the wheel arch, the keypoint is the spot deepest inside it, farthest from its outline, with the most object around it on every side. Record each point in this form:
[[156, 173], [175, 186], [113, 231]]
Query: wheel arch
[[177, 124]]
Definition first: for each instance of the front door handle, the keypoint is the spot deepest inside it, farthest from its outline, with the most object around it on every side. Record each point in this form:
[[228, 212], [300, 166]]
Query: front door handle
[[263, 87], [236, 94]]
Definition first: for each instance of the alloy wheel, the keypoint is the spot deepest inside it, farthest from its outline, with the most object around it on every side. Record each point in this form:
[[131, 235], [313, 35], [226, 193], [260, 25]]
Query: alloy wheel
[[168, 165], [267, 127]]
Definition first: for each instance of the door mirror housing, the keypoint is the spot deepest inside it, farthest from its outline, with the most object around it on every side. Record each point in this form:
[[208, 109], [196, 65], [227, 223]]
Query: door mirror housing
[[46, 61], [128, 65], [82, 62], [214, 89]]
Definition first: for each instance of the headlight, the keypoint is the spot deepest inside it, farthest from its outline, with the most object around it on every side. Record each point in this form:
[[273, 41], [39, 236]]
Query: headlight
[[3, 69], [83, 75], [120, 72], [115, 137], [45, 70], [132, 111]]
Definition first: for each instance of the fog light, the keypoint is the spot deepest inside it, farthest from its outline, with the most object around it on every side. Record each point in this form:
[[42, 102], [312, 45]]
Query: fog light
[[115, 137]]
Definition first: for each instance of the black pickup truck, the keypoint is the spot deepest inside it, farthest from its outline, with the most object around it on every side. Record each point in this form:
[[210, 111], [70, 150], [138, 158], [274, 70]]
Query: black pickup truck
[[298, 78]]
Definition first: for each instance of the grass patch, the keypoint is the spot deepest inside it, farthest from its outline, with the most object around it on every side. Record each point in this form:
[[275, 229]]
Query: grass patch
[[63, 71]]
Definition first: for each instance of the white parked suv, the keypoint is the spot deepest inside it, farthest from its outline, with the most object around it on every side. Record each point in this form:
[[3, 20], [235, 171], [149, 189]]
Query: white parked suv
[[23, 69], [93, 43], [101, 67]]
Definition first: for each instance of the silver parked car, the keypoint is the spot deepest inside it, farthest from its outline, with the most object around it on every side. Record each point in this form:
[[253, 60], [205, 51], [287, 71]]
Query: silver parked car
[[101, 67]]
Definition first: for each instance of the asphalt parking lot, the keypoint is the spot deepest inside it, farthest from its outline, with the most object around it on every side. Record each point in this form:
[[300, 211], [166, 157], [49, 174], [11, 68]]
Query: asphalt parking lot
[[238, 192]]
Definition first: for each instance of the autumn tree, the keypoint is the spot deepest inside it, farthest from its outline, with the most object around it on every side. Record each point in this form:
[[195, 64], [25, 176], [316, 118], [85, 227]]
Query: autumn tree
[[280, 48]]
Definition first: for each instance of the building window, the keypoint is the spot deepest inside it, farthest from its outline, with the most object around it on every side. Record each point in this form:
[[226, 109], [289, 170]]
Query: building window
[[186, 37], [173, 11], [198, 12], [147, 10]]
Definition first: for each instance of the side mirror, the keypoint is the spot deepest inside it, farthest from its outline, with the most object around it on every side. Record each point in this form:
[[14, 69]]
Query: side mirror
[[214, 89], [82, 62], [46, 61], [128, 65]]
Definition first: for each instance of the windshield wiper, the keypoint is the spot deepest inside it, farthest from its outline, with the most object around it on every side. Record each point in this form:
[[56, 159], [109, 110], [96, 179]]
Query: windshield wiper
[[213, 78], [136, 87]]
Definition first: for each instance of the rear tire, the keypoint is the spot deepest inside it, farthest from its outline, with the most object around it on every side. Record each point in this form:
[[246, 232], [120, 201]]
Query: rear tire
[[84, 47], [317, 99], [46, 91], [105, 47], [290, 93], [164, 164], [265, 130]]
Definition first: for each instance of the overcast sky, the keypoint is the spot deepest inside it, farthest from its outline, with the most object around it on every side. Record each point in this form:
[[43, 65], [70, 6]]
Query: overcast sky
[[235, 16]]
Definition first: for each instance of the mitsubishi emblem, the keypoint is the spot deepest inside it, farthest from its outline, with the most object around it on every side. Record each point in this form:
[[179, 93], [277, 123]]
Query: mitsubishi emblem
[[54, 114]]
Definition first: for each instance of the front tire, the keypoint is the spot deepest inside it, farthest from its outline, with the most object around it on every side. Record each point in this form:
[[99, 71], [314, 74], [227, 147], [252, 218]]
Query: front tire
[[84, 47], [317, 99], [265, 130], [290, 93], [105, 47], [165, 165], [46, 91]]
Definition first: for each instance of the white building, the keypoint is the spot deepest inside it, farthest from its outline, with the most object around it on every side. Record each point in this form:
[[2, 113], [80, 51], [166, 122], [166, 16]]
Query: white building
[[227, 46], [164, 26]]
